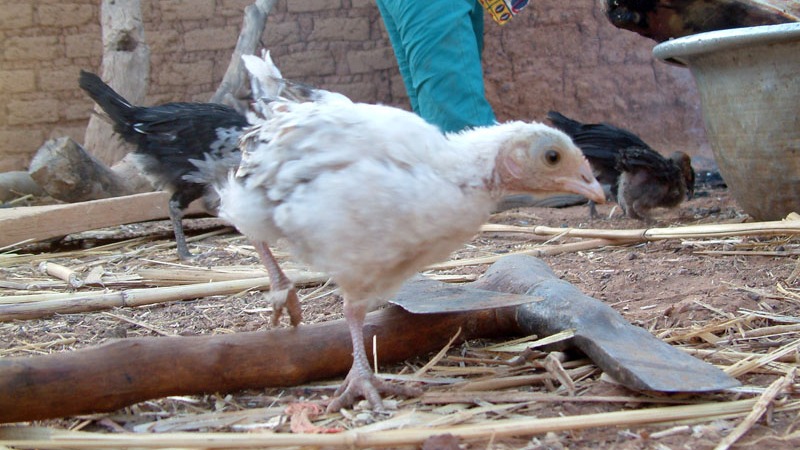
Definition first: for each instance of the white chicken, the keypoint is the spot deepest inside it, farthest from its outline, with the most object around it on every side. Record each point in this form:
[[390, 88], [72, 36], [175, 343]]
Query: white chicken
[[371, 194]]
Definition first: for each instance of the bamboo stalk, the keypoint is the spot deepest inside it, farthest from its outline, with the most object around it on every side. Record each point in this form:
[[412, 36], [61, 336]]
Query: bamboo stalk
[[517, 346], [61, 272], [52, 439], [777, 227], [711, 328], [730, 355], [764, 401], [508, 396], [436, 358], [538, 251], [748, 365], [746, 253], [50, 304], [520, 380], [768, 331]]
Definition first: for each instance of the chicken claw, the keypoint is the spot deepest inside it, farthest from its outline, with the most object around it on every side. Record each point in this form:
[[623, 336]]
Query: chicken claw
[[282, 292], [367, 385], [285, 299], [361, 381]]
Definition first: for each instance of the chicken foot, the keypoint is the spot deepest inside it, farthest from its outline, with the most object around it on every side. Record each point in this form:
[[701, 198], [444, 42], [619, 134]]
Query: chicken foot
[[361, 380], [282, 292], [176, 216]]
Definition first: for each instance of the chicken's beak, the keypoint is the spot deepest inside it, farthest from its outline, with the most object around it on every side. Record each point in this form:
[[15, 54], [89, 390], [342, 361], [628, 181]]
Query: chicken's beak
[[585, 184]]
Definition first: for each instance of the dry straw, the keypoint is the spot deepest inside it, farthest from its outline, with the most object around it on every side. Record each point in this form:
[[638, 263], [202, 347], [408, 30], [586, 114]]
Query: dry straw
[[31, 437]]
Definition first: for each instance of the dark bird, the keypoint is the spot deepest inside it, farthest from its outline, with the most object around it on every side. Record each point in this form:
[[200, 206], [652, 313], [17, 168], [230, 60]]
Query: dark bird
[[648, 180], [168, 139], [185, 148], [662, 20], [631, 172], [391, 196]]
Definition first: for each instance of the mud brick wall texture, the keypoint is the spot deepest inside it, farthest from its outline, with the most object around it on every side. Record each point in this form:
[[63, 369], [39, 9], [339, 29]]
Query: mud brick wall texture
[[555, 55]]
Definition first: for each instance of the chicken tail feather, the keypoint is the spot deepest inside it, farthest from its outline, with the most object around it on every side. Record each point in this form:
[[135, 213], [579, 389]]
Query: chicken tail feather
[[119, 110]]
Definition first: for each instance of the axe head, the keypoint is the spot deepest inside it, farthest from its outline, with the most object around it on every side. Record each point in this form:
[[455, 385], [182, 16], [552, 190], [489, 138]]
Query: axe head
[[545, 305]]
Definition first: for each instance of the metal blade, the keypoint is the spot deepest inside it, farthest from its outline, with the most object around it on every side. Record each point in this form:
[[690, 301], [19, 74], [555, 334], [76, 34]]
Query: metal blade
[[421, 295], [545, 305]]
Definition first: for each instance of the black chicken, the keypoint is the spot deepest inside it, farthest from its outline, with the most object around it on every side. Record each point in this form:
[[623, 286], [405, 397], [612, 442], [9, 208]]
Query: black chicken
[[631, 172], [170, 139], [648, 180]]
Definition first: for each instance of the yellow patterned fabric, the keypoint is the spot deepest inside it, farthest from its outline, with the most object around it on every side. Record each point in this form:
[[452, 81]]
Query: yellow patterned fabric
[[502, 11]]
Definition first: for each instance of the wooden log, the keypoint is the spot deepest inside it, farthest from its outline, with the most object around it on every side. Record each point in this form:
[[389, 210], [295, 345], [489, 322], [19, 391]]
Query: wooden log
[[125, 67], [234, 81], [35, 223], [17, 184], [127, 169], [63, 169], [130, 370], [662, 20], [22, 308]]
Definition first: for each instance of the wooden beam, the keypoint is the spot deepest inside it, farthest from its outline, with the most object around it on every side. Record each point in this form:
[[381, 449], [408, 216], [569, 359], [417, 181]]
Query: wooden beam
[[36, 223]]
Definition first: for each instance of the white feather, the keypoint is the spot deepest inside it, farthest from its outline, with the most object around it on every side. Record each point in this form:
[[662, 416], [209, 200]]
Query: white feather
[[367, 193]]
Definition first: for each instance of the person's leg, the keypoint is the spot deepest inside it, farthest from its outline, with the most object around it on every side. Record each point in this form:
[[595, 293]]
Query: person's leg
[[397, 45], [441, 42]]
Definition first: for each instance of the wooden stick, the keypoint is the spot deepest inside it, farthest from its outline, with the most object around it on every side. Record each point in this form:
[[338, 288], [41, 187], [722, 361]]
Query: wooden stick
[[524, 396], [20, 308], [778, 227], [538, 251], [61, 272]]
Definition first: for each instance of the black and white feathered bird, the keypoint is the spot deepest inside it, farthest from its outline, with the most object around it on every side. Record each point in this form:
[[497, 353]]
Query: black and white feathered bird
[[168, 138], [371, 194], [187, 148], [632, 173]]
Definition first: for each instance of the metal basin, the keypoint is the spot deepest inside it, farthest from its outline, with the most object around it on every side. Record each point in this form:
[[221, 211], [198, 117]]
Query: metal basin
[[749, 84]]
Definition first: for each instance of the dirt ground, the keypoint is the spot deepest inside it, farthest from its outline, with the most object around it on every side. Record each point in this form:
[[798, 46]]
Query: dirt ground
[[669, 287]]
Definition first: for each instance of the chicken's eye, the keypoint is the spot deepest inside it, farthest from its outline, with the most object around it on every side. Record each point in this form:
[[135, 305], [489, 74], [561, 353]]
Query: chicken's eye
[[552, 157]]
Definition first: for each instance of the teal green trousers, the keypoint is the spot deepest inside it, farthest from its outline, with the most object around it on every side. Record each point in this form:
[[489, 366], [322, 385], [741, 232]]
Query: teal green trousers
[[438, 46]]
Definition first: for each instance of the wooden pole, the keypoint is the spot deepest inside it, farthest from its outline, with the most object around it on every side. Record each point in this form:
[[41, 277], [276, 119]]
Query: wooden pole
[[127, 371], [125, 67], [255, 18]]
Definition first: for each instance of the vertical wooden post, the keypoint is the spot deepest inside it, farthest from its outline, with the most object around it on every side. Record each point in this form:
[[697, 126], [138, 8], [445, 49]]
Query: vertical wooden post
[[125, 67], [255, 19]]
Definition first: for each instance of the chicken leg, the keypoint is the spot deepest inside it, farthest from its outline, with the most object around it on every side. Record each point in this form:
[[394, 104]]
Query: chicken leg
[[176, 217], [282, 292], [361, 381]]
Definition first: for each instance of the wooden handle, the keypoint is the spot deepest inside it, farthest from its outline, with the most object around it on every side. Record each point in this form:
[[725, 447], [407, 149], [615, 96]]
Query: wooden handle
[[127, 371]]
